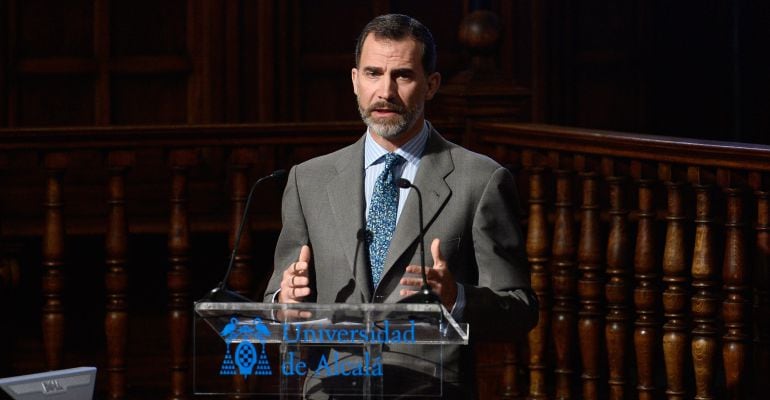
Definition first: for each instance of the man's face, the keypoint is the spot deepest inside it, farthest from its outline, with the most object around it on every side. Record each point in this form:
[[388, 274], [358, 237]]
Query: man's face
[[391, 87]]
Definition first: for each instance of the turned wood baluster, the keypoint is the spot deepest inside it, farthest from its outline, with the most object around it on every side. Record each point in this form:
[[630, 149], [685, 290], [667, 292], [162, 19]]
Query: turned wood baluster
[[241, 276], [510, 386], [761, 284], [705, 300], [646, 292], [537, 254], [53, 261], [675, 294], [563, 269], [178, 278], [590, 287], [116, 276], [617, 287], [735, 271]]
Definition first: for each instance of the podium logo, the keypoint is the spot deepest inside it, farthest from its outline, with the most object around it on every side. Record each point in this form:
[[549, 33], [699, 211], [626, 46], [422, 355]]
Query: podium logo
[[245, 360]]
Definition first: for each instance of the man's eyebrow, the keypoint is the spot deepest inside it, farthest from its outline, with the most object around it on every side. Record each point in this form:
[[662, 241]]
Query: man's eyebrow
[[372, 69]]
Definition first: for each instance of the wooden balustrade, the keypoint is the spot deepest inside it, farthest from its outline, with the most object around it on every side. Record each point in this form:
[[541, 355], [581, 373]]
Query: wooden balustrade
[[683, 227], [650, 256]]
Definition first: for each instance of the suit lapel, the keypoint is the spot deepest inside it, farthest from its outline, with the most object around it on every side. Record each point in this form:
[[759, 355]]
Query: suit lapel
[[435, 165], [346, 197]]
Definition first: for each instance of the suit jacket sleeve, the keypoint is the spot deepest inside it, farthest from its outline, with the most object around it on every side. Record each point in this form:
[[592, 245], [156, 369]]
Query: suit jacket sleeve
[[294, 235], [502, 303]]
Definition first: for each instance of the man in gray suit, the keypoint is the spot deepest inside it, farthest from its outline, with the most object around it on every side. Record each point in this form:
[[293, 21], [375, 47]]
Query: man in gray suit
[[349, 235]]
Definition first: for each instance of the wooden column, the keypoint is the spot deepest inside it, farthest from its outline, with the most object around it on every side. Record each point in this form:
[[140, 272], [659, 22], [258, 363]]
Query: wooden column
[[675, 278], [617, 289], [647, 290], [178, 278], [116, 276], [563, 267], [53, 261], [735, 272], [537, 253], [705, 299], [241, 277], [761, 283], [590, 285]]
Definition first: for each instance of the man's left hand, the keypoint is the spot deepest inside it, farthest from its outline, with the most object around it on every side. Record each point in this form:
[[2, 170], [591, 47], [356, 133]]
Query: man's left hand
[[440, 279]]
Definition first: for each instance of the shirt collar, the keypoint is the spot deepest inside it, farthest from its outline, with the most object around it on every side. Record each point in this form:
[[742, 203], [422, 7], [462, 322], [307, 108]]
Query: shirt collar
[[411, 150]]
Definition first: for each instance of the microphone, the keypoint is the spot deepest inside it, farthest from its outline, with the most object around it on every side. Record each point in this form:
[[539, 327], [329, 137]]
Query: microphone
[[425, 294], [221, 293]]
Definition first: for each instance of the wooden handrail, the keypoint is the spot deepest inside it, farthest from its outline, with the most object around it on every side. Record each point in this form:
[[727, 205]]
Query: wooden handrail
[[626, 145]]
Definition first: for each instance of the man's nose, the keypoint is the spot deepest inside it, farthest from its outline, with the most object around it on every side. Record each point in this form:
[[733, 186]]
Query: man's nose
[[387, 89]]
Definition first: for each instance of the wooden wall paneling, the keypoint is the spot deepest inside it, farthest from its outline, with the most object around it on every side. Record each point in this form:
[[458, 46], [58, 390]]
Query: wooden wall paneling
[[116, 277], [198, 45], [53, 261], [538, 249], [231, 74], [735, 274], [618, 285], [101, 45], [591, 280], [564, 279], [647, 277], [4, 62], [705, 299], [12, 96], [267, 24], [675, 279], [180, 304]]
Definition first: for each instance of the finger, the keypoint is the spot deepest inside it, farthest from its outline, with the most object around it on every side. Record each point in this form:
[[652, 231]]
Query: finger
[[411, 282], [299, 281], [304, 254], [415, 269], [407, 292], [435, 251], [299, 292]]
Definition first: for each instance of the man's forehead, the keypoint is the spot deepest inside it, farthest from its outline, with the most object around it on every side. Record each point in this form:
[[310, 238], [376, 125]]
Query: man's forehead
[[406, 49]]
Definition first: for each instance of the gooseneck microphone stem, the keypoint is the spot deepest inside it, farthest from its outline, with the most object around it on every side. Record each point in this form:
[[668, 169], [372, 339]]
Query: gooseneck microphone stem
[[425, 295], [221, 293]]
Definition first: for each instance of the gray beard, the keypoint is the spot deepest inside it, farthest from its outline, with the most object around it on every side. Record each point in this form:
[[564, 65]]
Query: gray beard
[[393, 128]]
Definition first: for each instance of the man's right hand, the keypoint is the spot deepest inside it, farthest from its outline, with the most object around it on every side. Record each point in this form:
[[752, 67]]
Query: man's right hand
[[295, 284]]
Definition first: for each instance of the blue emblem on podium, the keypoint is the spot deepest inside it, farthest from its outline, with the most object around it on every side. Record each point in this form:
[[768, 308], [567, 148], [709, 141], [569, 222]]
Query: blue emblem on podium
[[246, 357]]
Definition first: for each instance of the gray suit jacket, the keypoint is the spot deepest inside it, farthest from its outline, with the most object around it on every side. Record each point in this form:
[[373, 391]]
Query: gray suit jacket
[[470, 204]]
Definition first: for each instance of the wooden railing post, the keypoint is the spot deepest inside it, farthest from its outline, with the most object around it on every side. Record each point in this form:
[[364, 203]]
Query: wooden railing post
[[617, 289], [180, 306], [241, 277], [647, 290], [563, 267], [537, 253], [675, 278], [116, 276], [53, 260], [590, 283], [735, 272], [761, 279], [705, 299]]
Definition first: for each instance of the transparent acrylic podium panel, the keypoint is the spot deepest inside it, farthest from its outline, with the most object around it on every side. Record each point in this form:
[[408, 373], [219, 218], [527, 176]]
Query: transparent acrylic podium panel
[[314, 350]]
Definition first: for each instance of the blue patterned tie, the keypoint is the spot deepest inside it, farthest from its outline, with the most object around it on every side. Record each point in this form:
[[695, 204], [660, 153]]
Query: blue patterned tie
[[381, 221]]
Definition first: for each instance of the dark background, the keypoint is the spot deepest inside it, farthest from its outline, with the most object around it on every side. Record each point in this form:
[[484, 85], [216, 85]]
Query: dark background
[[679, 68]]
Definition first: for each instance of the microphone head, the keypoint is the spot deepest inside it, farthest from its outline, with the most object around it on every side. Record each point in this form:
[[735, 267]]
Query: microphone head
[[403, 183], [279, 173]]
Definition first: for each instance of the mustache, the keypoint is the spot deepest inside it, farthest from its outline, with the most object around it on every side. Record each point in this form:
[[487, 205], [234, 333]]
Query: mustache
[[385, 105]]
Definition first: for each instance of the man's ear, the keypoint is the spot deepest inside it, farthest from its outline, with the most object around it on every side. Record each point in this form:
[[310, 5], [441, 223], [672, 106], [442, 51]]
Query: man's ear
[[434, 81], [353, 76]]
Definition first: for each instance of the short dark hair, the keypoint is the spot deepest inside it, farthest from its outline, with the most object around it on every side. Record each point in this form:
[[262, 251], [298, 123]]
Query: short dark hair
[[398, 27]]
